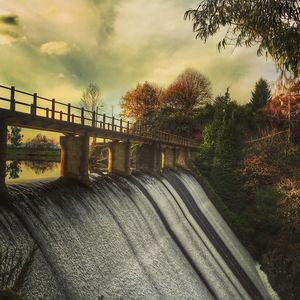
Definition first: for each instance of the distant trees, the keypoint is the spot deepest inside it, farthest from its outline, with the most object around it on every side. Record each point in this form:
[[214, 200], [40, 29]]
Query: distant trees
[[41, 141], [14, 136], [143, 99], [261, 95], [190, 90], [272, 24]]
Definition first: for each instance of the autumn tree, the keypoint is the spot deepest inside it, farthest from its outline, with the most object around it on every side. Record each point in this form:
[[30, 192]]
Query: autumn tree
[[261, 95], [140, 100], [189, 91], [273, 25]]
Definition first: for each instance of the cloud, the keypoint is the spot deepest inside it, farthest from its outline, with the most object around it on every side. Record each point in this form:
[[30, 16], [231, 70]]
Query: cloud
[[10, 31], [9, 19], [55, 48], [120, 42]]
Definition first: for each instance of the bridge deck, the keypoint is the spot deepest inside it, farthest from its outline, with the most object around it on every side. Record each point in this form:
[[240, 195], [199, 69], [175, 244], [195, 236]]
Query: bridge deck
[[41, 113]]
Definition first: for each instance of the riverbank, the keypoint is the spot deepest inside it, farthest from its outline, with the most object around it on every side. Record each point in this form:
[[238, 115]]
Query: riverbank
[[36, 154]]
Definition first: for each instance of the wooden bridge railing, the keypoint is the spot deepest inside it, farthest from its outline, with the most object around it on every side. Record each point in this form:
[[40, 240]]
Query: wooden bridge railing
[[16, 100]]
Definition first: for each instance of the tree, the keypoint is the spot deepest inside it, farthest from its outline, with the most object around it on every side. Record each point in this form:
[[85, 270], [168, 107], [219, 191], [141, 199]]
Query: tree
[[261, 95], [220, 155], [41, 141], [91, 98], [141, 100], [14, 136], [189, 91], [272, 24]]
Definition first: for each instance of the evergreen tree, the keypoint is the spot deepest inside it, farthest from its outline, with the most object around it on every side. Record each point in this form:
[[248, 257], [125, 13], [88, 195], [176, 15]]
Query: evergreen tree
[[261, 95], [221, 152]]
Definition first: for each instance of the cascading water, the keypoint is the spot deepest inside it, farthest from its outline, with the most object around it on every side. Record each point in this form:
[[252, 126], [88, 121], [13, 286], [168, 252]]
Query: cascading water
[[138, 237]]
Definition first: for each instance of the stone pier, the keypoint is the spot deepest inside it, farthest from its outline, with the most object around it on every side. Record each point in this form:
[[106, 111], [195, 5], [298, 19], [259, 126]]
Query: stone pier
[[170, 158], [75, 157], [182, 158], [3, 150], [149, 157], [119, 158]]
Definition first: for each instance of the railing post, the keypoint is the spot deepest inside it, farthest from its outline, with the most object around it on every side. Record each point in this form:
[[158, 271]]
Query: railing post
[[82, 115], [69, 112], [127, 127], [72, 118], [60, 115], [113, 123], [34, 104], [93, 119], [104, 121], [53, 108], [47, 112], [121, 125], [12, 99], [96, 117]]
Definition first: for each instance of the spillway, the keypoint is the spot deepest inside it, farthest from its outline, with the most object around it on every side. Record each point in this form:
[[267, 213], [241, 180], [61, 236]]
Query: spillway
[[138, 237]]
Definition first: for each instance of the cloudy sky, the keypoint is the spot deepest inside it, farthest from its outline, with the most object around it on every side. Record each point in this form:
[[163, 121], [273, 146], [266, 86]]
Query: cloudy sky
[[56, 48]]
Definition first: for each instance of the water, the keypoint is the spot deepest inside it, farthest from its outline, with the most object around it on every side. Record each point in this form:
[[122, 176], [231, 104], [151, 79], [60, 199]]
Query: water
[[123, 237], [31, 170]]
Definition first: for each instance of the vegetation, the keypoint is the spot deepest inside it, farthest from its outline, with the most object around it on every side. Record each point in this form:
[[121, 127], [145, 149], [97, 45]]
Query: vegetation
[[41, 141], [91, 98], [261, 95], [140, 100], [190, 91], [271, 24], [14, 136]]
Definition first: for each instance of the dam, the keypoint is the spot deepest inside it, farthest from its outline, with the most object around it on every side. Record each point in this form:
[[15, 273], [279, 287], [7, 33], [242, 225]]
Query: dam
[[124, 237]]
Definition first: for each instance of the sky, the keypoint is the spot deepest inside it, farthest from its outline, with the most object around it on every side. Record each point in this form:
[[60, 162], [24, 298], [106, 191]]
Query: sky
[[56, 48]]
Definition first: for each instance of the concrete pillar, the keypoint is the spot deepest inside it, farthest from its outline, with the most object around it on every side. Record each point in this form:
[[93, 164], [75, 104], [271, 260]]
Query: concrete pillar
[[170, 158], [119, 158], [3, 150], [182, 157], [149, 158], [75, 157]]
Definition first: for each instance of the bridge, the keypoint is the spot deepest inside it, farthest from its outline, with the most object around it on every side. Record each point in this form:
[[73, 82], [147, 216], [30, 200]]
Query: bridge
[[158, 149]]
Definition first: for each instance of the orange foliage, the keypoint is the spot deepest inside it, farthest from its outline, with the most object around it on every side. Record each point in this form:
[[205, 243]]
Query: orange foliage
[[143, 99], [190, 90], [286, 98], [257, 171]]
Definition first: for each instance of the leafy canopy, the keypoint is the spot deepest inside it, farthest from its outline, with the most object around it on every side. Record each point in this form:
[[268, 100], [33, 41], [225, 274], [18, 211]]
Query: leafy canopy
[[188, 92], [140, 100], [272, 24], [14, 136]]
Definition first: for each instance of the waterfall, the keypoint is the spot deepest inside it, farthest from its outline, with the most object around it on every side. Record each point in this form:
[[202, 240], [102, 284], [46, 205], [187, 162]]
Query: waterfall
[[141, 237]]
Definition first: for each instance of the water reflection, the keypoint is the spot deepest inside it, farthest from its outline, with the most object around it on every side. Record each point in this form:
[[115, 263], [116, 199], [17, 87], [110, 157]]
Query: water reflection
[[13, 169], [40, 167], [17, 169]]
